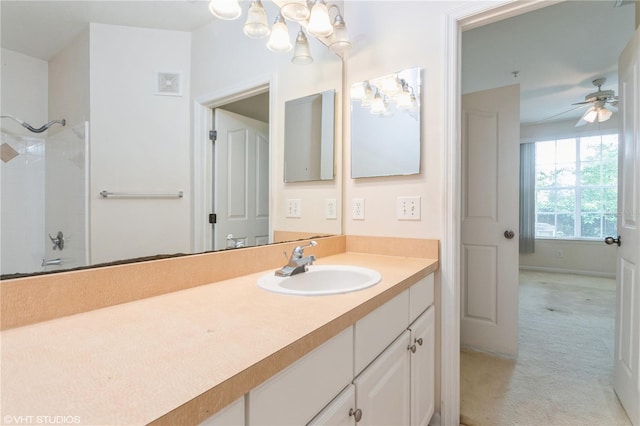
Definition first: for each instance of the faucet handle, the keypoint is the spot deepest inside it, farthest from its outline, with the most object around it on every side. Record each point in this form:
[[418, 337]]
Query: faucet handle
[[298, 252]]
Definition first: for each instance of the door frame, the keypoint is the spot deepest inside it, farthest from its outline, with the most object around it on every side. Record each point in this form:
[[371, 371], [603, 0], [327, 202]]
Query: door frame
[[202, 153], [465, 17]]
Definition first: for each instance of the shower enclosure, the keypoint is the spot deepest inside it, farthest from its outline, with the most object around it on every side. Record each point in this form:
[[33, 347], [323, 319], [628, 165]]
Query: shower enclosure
[[45, 186]]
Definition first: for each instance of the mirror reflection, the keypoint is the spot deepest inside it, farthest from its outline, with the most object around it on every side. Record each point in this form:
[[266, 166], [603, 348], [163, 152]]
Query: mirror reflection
[[125, 77], [309, 137], [385, 125]]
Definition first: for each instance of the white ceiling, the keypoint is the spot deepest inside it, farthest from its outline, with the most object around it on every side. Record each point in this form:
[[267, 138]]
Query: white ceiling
[[558, 50]]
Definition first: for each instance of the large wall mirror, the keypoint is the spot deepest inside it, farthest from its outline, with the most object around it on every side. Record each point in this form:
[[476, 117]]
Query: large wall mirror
[[385, 125], [116, 180], [309, 137]]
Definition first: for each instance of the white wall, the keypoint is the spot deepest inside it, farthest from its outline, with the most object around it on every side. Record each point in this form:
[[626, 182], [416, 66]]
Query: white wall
[[139, 142], [389, 36], [24, 95], [220, 66]]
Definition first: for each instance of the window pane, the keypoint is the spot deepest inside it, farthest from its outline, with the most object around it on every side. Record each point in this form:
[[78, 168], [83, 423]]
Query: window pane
[[610, 225], [590, 224], [545, 175], [565, 225], [590, 173], [610, 200], [546, 152], [566, 174], [566, 151], [545, 225], [590, 148], [544, 202], [591, 200], [565, 200]]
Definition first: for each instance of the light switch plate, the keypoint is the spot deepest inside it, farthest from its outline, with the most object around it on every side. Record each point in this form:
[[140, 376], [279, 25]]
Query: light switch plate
[[294, 207], [330, 209], [408, 208], [358, 209]]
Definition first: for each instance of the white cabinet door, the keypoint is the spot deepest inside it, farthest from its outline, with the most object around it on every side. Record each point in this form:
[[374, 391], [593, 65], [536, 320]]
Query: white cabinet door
[[423, 369], [340, 412], [382, 390]]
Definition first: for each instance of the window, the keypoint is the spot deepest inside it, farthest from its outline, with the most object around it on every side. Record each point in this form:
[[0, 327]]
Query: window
[[577, 187]]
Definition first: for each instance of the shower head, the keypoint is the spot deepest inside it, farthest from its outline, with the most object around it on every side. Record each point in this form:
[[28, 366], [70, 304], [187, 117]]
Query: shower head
[[33, 129]]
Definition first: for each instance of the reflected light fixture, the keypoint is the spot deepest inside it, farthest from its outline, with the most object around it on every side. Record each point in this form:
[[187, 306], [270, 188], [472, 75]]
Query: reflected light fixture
[[302, 54], [319, 22], [295, 10], [279, 40], [339, 41], [256, 25], [377, 105], [225, 9]]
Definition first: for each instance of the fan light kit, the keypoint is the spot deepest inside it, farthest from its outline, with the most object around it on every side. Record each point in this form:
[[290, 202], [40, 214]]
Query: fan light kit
[[312, 17], [598, 112]]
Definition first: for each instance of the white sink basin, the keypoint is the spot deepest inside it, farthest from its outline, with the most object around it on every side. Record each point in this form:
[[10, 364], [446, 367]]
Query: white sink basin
[[321, 280]]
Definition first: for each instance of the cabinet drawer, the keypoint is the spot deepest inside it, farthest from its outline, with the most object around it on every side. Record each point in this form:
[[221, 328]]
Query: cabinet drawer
[[377, 330], [420, 297], [295, 395]]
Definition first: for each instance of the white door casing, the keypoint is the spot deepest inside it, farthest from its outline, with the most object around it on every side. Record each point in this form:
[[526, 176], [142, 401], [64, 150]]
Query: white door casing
[[240, 180], [490, 188], [627, 339]]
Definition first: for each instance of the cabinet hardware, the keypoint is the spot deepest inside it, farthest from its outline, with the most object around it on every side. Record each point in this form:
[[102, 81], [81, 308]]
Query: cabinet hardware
[[418, 341], [412, 348], [357, 414]]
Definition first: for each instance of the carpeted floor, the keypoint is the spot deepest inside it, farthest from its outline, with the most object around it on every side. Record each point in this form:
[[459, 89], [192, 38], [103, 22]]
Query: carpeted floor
[[563, 374]]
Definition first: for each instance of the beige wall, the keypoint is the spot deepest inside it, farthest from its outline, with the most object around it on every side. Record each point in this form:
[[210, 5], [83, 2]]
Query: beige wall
[[578, 257]]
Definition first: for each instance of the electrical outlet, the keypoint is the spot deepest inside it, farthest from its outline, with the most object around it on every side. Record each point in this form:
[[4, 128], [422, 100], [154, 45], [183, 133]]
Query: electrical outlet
[[358, 209], [330, 209], [294, 207], [408, 208], [559, 254]]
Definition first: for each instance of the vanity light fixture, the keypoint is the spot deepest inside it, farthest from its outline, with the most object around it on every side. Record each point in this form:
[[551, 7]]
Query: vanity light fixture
[[312, 16], [256, 25], [225, 9], [279, 40], [302, 54], [378, 106]]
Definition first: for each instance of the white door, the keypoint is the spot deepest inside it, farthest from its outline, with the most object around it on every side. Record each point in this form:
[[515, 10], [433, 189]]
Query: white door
[[382, 390], [627, 340], [241, 180], [489, 212]]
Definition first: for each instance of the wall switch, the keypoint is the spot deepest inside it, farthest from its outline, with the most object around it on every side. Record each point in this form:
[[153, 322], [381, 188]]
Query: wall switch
[[294, 207], [408, 208], [358, 209], [330, 209]]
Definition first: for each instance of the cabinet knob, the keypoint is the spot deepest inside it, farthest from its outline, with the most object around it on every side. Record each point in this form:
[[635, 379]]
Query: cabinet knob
[[418, 341], [412, 348], [357, 414]]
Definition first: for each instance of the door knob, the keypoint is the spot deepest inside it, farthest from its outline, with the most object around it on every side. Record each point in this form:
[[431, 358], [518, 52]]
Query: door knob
[[508, 234], [611, 241], [357, 414]]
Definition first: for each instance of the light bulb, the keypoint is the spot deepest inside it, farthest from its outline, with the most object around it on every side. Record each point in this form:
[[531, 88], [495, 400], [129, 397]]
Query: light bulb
[[591, 115], [604, 114], [225, 9], [319, 22], [279, 39]]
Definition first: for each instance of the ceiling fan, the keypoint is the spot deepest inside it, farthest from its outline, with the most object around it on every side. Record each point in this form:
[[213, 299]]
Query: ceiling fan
[[598, 112]]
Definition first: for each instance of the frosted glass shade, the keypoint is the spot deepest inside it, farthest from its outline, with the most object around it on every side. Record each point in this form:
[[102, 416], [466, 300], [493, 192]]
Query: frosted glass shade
[[295, 10], [256, 25], [319, 22], [225, 9], [279, 39], [340, 38], [302, 53]]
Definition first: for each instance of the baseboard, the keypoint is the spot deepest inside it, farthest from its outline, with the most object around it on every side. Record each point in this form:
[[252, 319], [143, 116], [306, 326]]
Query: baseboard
[[567, 271]]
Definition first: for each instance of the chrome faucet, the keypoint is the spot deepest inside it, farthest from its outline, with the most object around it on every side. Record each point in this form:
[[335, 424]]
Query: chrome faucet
[[297, 262]]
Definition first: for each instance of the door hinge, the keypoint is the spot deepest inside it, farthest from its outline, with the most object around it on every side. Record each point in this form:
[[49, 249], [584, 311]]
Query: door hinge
[[212, 218], [213, 135]]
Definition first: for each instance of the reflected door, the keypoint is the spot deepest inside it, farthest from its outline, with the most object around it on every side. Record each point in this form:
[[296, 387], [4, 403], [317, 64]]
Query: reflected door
[[241, 181], [490, 188]]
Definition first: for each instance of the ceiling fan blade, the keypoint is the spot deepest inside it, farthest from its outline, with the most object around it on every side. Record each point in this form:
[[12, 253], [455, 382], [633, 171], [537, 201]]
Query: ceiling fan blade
[[583, 103], [580, 122], [560, 113]]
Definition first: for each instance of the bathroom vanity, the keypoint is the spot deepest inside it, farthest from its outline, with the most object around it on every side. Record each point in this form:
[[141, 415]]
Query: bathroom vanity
[[218, 350]]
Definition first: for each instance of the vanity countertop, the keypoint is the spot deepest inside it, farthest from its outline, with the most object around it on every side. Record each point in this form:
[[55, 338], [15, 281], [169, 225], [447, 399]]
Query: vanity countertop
[[179, 357]]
